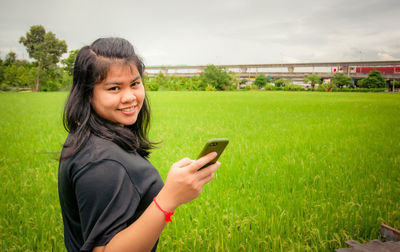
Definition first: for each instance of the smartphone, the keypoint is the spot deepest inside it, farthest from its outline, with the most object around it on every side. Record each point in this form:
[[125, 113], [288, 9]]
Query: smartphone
[[214, 145]]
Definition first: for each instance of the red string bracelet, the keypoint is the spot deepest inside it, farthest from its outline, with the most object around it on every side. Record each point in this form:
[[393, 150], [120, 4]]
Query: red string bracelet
[[166, 213]]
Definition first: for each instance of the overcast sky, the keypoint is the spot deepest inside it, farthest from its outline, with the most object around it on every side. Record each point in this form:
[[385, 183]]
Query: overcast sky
[[216, 32]]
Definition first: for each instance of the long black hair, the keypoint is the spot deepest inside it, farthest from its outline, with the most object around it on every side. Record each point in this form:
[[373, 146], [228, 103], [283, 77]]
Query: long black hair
[[80, 119]]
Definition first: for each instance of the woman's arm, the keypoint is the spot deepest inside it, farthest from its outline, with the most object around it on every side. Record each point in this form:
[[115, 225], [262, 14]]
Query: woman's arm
[[183, 184]]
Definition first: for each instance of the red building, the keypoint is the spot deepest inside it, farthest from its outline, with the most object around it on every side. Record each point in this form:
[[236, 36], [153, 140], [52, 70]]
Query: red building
[[380, 69]]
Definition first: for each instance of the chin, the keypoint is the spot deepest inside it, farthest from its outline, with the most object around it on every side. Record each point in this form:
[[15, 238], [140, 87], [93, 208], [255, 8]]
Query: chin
[[128, 123]]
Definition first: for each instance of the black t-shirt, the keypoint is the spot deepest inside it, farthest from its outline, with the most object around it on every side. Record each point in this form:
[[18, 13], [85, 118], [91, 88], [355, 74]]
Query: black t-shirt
[[102, 190]]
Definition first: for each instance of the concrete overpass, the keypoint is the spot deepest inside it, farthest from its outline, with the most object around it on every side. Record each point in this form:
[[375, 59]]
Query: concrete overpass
[[294, 71]]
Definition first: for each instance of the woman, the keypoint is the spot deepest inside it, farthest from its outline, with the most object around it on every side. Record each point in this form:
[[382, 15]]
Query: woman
[[112, 198]]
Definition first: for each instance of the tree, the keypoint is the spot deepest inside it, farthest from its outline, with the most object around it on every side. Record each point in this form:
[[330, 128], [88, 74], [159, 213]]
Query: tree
[[340, 80], [235, 79], [326, 87], [194, 83], [44, 47], [374, 80], [11, 76], [216, 77], [70, 62], [260, 81], [313, 80], [2, 70], [16, 77], [10, 59], [161, 80], [394, 84], [280, 82]]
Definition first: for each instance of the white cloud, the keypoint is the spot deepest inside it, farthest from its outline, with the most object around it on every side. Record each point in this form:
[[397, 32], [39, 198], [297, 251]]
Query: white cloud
[[386, 56], [218, 32]]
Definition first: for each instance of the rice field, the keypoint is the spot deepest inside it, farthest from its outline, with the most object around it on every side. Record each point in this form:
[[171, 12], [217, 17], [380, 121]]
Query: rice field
[[304, 171]]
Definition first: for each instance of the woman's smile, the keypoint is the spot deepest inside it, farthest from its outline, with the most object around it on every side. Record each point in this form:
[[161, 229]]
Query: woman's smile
[[128, 110]]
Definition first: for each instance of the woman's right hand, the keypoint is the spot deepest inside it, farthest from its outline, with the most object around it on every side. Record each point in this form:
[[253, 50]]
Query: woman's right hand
[[185, 181]]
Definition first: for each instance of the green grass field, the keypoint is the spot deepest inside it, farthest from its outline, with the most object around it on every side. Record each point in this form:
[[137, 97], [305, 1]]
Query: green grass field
[[303, 171]]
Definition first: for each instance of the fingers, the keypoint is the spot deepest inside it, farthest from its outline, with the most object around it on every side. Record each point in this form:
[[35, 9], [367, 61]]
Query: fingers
[[208, 171], [207, 179], [197, 164], [183, 162]]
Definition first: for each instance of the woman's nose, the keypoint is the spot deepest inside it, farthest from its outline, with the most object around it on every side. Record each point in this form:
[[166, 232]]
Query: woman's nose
[[128, 97]]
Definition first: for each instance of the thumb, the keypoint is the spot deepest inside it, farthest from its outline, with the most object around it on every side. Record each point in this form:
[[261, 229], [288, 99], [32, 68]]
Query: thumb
[[197, 164]]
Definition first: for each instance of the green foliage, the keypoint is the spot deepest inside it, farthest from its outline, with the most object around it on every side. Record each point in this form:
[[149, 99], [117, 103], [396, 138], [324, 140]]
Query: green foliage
[[161, 80], [374, 80], [280, 82], [269, 87], [253, 87], [70, 62], [211, 79], [247, 88], [260, 81], [153, 86], [359, 90], [66, 82], [150, 83], [235, 80], [210, 88], [51, 85], [11, 76], [293, 87], [340, 80], [4, 87], [193, 83], [326, 87], [216, 77], [61, 82], [313, 80], [177, 83], [396, 83], [55, 79], [173, 83], [15, 77], [44, 47], [10, 59]]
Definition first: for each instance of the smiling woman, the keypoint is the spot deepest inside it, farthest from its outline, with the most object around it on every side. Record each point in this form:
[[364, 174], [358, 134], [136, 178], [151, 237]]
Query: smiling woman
[[111, 196], [120, 96]]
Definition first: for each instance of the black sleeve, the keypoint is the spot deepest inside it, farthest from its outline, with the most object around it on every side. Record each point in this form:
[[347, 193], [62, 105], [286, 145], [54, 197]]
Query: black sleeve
[[107, 199]]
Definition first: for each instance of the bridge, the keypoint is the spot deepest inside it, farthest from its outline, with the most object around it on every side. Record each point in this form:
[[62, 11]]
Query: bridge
[[293, 71]]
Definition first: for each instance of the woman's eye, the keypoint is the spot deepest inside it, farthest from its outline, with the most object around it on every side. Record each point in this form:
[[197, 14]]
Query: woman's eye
[[135, 84], [114, 88]]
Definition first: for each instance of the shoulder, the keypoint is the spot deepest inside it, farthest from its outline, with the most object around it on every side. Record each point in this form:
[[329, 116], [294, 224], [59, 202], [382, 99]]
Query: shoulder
[[98, 153], [101, 179], [96, 150]]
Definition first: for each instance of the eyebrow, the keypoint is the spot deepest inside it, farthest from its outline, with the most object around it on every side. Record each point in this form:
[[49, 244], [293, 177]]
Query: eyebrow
[[119, 83]]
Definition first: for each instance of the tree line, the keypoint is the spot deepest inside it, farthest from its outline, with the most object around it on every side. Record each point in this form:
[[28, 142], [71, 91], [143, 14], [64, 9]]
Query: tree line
[[42, 74], [47, 72], [340, 82]]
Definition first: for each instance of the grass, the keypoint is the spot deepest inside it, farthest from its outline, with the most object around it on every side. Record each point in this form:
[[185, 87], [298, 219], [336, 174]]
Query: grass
[[303, 171]]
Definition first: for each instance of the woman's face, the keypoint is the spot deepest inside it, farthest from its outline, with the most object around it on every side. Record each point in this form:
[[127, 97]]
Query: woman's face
[[119, 97]]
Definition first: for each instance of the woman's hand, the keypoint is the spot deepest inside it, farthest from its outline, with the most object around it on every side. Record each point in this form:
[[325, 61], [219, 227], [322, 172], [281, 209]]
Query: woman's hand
[[183, 184], [185, 181]]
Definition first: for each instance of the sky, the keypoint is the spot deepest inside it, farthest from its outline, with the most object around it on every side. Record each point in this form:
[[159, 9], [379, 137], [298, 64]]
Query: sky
[[216, 32]]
